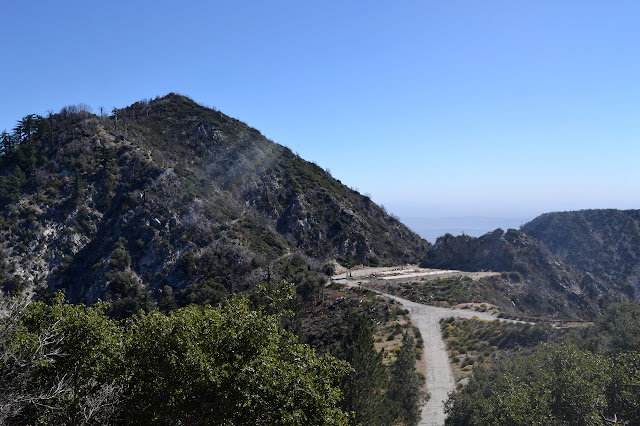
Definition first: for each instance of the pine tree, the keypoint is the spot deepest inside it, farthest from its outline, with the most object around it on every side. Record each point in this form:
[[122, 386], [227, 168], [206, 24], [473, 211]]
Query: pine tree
[[114, 113], [167, 302], [42, 130], [363, 387], [14, 184], [31, 162], [406, 382], [7, 143], [28, 124], [106, 161]]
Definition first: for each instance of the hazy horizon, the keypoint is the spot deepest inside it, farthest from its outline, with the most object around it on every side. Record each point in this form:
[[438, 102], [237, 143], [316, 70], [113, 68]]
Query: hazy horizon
[[430, 228], [431, 221]]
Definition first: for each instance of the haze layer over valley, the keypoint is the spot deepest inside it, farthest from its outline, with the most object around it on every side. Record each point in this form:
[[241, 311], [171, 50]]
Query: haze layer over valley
[[430, 227]]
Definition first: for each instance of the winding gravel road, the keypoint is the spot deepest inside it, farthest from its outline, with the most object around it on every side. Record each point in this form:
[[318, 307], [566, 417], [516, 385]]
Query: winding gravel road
[[427, 318]]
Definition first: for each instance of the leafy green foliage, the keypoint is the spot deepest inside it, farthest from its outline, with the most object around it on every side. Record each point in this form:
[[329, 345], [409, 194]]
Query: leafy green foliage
[[622, 389], [227, 365], [559, 383], [590, 379], [61, 363], [616, 331], [65, 364]]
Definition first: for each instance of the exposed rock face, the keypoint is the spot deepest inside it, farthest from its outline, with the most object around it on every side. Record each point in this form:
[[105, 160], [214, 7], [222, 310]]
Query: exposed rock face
[[491, 252], [583, 260]]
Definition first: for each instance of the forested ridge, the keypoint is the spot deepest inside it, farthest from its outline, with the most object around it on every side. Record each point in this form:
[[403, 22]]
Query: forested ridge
[[166, 194]]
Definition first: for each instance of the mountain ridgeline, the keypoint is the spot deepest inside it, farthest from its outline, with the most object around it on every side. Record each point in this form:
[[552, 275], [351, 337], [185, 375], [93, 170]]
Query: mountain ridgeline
[[166, 204], [167, 195], [569, 264]]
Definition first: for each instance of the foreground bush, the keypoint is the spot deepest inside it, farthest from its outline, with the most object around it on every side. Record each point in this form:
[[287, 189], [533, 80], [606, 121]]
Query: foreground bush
[[65, 364], [591, 378]]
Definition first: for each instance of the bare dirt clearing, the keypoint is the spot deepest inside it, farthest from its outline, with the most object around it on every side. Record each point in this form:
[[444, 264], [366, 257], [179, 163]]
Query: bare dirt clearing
[[405, 274]]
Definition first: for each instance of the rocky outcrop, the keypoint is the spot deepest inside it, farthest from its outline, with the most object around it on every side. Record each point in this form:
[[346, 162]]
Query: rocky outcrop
[[491, 252], [578, 261]]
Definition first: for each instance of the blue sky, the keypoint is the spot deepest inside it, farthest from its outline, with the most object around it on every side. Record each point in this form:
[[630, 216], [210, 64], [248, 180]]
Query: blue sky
[[435, 108]]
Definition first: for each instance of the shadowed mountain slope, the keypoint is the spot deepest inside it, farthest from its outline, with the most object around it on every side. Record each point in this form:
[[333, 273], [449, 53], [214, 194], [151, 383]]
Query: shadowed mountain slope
[[603, 243]]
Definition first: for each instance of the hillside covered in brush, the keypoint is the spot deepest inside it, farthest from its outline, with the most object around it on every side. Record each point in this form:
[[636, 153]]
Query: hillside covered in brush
[[570, 264], [602, 243], [168, 196]]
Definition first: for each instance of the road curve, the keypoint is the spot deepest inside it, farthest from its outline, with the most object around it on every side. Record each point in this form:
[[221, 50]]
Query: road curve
[[439, 376]]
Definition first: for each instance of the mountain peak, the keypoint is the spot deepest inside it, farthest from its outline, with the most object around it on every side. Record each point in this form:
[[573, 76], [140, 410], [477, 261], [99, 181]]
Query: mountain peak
[[168, 192]]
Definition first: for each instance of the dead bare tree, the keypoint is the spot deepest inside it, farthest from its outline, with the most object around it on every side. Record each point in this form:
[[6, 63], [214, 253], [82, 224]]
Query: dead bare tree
[[23, 355]]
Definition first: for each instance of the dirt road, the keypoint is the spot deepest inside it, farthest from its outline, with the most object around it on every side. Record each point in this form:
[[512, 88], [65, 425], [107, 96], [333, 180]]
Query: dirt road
[[439, 375], [427, 318]]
